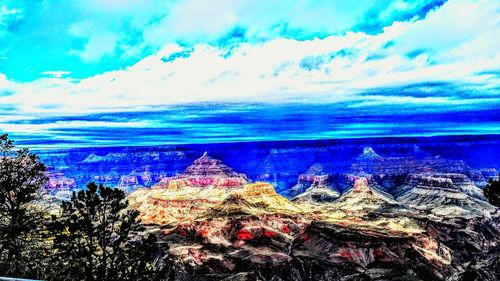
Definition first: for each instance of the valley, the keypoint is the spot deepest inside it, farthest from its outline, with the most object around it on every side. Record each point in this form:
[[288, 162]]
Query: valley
[[390, 211]]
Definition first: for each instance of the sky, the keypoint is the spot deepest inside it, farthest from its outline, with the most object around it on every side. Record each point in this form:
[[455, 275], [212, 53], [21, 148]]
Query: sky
[[136, 72]]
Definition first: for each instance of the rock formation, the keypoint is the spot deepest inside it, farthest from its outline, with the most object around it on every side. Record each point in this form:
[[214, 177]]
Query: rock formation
[[391, 172], [205, 172], [448, 180], [444, 195], [363, 235], [362, 198], [316, 186], [58, 188], [489, 173], [204, 185], [58, 181], [317, 194], [368, 154], [344, 223]]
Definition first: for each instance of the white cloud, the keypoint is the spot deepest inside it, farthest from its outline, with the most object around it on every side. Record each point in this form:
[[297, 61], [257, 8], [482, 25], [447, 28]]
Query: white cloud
[[3, 81], [202, 21], [455, 24], [56, 74], [332, 69]]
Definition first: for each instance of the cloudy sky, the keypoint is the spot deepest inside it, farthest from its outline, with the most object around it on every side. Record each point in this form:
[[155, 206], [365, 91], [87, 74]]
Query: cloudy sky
[[137, 72]]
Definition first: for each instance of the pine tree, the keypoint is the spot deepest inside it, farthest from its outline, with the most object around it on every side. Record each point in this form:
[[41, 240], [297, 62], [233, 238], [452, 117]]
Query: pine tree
[[21, 175], [98, 238], [492, 191]]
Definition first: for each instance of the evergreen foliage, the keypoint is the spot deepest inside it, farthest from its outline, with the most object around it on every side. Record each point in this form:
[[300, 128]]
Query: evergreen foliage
[[97, 238], [492, 191], [21, 175]]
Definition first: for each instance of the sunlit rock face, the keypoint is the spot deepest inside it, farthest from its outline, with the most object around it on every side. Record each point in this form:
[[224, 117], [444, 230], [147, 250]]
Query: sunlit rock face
[[367, 235], [174, 205], [206, 172], [165, 206], [255, 234], [366, 207], [204, 185], [363, 198], [444, 195], [220, 230], [249, 231]]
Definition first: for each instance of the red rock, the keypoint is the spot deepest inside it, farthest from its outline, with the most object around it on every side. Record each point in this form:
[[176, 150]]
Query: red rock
[[204, 232], [285, 229], [244, 235], [345, 254], [378, 253], [204, 172], [269, 233]]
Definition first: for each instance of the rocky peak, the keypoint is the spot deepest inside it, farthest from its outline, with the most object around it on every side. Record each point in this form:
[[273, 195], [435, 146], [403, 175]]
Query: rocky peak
[[416, 148], [363, 198], [361, 185], [205, 172], [317, 194], [368, 153], [208, 166], [314, 179], [417, 152]]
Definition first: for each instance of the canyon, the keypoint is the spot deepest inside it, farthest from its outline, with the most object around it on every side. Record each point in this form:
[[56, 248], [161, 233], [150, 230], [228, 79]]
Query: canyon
[[217, 225], [307, 211]]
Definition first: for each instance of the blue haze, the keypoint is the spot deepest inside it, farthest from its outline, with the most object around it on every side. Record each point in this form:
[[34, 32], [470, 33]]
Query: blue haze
[[216, 123]]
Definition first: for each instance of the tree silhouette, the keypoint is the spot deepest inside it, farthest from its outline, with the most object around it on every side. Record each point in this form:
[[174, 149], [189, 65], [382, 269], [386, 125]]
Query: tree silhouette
[[492, 191], [21, 175], [97, 238]]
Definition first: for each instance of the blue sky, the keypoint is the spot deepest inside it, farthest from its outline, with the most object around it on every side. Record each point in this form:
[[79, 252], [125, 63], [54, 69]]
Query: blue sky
[[184, 71]]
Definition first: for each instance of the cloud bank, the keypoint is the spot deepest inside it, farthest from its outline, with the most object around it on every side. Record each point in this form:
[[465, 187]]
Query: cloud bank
[[432, 58]]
